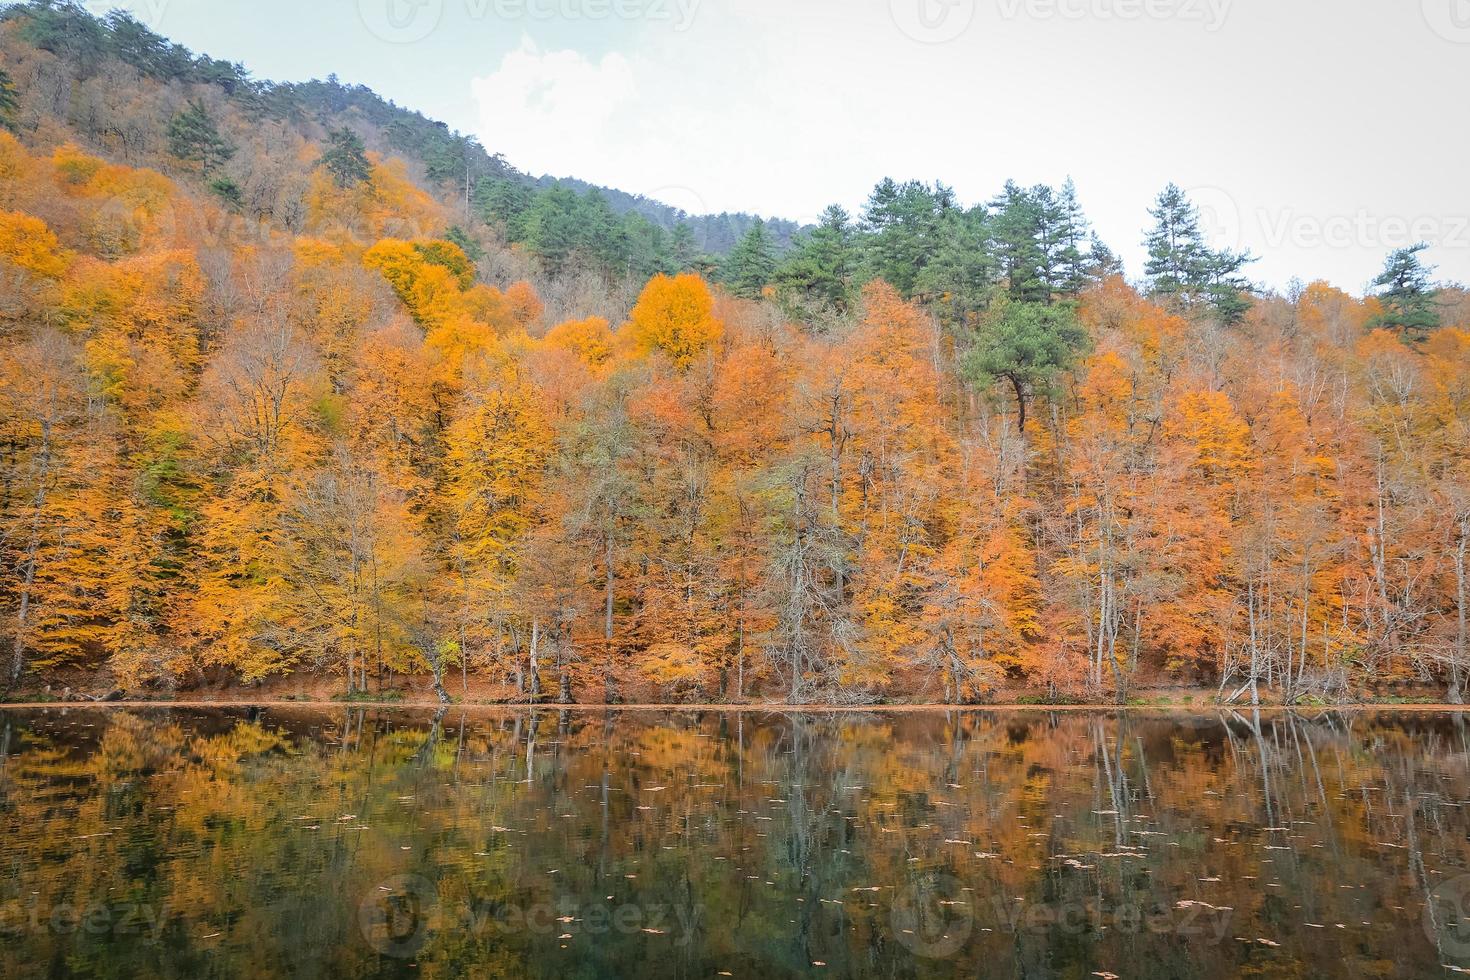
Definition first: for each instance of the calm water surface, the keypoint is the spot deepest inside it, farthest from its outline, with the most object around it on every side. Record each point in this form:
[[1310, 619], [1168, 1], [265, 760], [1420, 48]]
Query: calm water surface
[[285, 842]]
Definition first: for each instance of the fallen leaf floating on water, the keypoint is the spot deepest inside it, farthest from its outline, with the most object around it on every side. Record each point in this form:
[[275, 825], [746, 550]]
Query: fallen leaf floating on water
[[654, 932], [1267, 942], [1105, 975]]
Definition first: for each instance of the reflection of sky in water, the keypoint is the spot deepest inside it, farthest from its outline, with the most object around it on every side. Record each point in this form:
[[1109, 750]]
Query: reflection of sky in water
[[351, 843]]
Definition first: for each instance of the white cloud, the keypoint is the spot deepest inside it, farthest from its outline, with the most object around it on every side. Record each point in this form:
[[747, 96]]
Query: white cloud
[[544, 109]]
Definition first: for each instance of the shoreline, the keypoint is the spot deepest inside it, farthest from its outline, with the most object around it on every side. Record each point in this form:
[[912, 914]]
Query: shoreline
[[737, 708]]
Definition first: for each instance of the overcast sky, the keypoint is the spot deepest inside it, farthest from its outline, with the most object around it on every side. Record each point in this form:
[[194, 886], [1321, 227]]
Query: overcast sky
[[1319, 134]]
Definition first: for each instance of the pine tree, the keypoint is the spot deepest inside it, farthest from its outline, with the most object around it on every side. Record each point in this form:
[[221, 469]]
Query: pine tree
[[466, 244], [1182, 267], [1025, 345], [959, 279], [1176, 248], [1407, 294], [553, 227], [504, 203], [345, 159], [903, 224], [647, 247], [602, 235], [751, 266], [1224, 288], [1068, 236], [683, 249], [821, 264], [1015, 224], [193, 136]]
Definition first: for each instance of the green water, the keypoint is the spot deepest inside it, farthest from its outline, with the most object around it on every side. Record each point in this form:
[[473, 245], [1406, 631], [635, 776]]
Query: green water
[[186, 843]]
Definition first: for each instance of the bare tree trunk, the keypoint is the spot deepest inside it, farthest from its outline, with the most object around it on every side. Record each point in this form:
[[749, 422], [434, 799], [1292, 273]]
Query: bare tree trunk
[[420, 636], [1255, 644], [564, 693], [33, 548], [535, 654], [1456, 692], [1306, 618], [1020, 405], [609, 692]]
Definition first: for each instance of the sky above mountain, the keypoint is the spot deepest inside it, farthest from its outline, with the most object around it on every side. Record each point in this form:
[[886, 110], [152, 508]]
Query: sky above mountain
[[1317, 134]]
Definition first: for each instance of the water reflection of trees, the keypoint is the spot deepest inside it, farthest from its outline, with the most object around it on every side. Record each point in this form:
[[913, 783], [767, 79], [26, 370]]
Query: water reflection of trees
[[759, 835]]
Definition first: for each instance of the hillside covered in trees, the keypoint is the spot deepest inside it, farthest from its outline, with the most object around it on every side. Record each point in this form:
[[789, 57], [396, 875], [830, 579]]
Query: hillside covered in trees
[[296, 381]]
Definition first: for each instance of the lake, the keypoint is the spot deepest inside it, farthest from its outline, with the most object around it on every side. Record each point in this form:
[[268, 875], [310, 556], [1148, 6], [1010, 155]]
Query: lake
[[369, 842]]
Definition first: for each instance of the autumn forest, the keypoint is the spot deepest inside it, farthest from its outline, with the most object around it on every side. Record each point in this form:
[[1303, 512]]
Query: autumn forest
[[297, 383]]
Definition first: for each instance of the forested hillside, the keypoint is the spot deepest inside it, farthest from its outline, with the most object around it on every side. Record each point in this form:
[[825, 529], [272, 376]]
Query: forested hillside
[[298, 381]]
